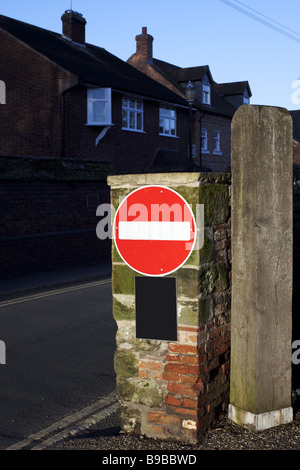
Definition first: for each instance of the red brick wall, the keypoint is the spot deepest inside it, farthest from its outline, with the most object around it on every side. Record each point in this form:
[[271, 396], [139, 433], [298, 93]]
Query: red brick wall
[[217, 163], [31, 118], [31, 121], [127, 151]]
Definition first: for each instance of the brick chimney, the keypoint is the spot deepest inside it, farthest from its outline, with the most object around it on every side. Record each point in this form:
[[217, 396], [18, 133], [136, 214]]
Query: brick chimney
[[74, 26], [144, 46]]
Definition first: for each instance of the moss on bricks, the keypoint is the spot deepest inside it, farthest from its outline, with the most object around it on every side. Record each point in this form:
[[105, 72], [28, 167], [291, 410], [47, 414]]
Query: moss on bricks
[[188, 312], [115, 257], [190, 194], [187, 282], [123, 279], [118, 194], [215, 198], [140, 391], [207, 251], [123, 308], [129, 419], [213, 278], [126, 363], [205, 310]]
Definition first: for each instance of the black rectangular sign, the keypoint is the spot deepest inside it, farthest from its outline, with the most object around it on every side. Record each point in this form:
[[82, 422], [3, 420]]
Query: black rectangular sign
[[156, 308]]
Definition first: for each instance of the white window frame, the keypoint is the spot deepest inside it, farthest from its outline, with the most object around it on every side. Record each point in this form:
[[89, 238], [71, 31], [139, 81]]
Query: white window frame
[[90, 102], [206, 93], [165, 116], [130, 106], [204, 137], [217, 143]]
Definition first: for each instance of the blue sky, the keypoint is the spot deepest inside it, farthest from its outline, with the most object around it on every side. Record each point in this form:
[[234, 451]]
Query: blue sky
[[198, 32]]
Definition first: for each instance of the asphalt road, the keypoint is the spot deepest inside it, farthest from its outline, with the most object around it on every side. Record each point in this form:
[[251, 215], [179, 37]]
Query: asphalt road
[[59, 357]]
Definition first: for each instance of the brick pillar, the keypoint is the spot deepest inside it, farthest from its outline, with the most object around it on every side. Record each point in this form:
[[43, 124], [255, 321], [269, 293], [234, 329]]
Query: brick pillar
[[177, 389]]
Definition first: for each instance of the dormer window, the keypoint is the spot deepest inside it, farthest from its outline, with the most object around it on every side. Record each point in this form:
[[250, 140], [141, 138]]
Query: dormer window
[[206, 93], [99, 106]]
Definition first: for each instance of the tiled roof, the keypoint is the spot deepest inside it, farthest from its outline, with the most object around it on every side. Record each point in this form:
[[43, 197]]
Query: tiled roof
[[91, 64], [233, 88], [220, 105]]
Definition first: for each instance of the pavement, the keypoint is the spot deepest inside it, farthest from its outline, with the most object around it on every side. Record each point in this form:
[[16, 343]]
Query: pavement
[[31, 283]]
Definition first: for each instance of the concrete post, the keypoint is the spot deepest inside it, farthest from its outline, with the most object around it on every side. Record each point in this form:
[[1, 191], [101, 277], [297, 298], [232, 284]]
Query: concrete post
[[262, 219]]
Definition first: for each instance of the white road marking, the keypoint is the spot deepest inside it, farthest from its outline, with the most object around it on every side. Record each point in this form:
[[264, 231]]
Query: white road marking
[[70, 425], [6, 303]]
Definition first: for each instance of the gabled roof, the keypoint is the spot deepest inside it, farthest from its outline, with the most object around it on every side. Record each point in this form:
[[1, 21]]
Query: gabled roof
[[178, 75], [91, 64], [233, 88]]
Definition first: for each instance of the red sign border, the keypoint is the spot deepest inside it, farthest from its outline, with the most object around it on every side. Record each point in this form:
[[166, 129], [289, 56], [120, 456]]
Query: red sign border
[[193, 217]]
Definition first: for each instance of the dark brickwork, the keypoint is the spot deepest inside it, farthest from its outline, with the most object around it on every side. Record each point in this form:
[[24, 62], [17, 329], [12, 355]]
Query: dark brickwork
[[47, 225], [39, 120]]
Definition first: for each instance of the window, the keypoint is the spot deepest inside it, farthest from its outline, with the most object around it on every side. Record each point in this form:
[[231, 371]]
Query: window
[[206, 93], [132, 114], [217, 137], [167, 121], [204, 141], [246, 100], [99, 106]]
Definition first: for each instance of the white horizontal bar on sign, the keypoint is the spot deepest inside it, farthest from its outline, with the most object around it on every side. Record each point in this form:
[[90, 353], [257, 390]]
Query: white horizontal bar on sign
[[154, 231]]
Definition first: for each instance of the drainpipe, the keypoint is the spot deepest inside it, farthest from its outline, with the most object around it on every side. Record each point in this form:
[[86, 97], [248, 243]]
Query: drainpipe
[[200, 159]]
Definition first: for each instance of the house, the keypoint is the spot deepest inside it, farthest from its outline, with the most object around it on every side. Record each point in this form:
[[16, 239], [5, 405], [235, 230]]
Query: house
[[73, 114], [69, 99], [214, 104]]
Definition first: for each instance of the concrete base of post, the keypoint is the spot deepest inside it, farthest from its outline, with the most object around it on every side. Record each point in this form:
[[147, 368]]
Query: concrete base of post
[[260, 421]]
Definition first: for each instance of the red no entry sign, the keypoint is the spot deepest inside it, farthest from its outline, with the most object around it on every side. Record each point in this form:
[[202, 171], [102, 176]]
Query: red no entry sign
[[154, 230]]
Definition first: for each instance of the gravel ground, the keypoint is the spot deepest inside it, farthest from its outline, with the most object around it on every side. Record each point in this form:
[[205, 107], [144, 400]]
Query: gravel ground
[[225, 435]]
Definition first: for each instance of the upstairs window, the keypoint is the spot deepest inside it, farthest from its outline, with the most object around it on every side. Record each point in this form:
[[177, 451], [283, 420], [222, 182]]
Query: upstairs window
[[204, 141], [217, 139], [132, 115], [99, 106], [167, 121], [206, 93]]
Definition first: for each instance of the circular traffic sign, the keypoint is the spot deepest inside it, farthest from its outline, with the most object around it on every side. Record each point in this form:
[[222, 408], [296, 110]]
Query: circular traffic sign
[[154, 230]]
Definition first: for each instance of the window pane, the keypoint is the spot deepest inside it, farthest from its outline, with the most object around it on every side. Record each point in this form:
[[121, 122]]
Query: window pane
[[124, 102], [139, 105], [99, 111], [173, 113], [167, 126], [132, 120], [132, 104], [173, 127], [161, 126], [98, 94], [124, 118]]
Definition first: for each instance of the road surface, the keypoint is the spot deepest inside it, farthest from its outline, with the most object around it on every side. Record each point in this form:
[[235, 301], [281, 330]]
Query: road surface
[[59, 356]]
